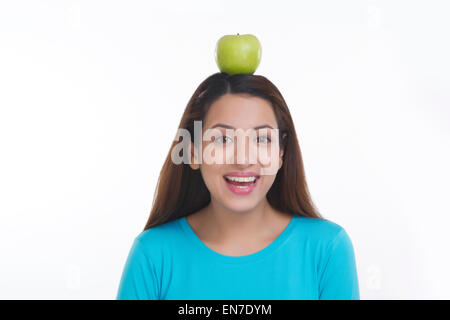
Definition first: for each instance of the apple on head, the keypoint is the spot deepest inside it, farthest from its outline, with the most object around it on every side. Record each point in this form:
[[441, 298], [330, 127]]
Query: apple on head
[[238, 54]]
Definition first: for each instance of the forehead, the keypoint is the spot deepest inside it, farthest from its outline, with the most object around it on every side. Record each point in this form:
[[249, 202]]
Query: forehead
[[240, 111]]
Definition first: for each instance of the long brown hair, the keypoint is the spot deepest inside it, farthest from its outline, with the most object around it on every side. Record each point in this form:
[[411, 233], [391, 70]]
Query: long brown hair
[[181, 190]]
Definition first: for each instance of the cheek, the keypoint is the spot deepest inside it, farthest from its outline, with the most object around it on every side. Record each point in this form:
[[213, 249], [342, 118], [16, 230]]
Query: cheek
[[211, 175], [268, 157], [266, 182], [215, 153]]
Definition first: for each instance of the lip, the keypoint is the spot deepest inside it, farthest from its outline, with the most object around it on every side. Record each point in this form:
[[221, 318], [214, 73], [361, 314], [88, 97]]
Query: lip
[[242, 191]]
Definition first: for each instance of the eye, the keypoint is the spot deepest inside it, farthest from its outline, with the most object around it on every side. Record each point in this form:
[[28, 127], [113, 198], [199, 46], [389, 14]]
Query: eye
[[221, 139], [263, 139]]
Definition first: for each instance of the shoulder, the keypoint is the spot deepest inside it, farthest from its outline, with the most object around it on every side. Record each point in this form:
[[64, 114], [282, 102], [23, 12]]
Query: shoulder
[[326, 239], [159, 237], [320, 230], [318, 227]]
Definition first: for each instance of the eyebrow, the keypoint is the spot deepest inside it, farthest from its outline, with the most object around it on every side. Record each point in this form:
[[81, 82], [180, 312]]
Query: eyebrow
[[231, 127]]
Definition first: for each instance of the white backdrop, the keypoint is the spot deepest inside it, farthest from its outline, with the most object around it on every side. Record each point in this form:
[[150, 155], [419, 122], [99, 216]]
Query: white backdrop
[[91, 93]]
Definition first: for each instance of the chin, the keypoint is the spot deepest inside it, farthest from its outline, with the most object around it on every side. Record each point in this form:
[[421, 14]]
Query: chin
[[240, 205]]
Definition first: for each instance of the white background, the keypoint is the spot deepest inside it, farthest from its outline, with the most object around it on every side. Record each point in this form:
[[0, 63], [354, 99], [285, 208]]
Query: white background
[[91, 93]]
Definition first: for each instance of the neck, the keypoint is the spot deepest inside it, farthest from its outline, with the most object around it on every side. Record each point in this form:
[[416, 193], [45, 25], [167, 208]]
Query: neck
[[227, 225]]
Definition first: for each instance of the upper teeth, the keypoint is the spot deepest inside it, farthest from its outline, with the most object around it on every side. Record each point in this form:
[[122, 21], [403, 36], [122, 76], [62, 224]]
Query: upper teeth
[[241, 179]]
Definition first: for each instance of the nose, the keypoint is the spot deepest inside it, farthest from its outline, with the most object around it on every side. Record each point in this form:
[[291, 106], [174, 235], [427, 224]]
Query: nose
[[244, 153]]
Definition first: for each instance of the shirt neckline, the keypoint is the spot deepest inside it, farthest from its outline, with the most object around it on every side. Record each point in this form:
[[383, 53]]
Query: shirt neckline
[[274, 245]]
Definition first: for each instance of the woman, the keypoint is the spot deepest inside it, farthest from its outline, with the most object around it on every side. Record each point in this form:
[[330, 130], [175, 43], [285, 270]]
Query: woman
[[233, 229]]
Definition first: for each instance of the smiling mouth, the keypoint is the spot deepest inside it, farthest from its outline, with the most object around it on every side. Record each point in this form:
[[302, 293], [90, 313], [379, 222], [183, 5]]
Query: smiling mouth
[[241, 182]]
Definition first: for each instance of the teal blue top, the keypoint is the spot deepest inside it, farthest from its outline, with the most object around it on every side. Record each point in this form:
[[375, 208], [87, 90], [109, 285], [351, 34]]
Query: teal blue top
[[311, 259]]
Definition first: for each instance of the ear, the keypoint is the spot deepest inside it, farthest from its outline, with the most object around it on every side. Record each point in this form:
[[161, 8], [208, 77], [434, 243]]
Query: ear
[[281, 159], [192, 152], [282, 151]]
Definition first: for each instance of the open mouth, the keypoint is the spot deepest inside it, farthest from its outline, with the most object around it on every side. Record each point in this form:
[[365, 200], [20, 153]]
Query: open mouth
[[241, 182]]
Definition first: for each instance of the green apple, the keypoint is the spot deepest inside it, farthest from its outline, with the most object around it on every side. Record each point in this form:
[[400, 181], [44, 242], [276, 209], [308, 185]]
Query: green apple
[[238, 54]]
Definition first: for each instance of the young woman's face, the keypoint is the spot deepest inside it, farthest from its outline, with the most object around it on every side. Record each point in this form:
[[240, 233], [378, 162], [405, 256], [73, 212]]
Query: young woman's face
[[236, 114]]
